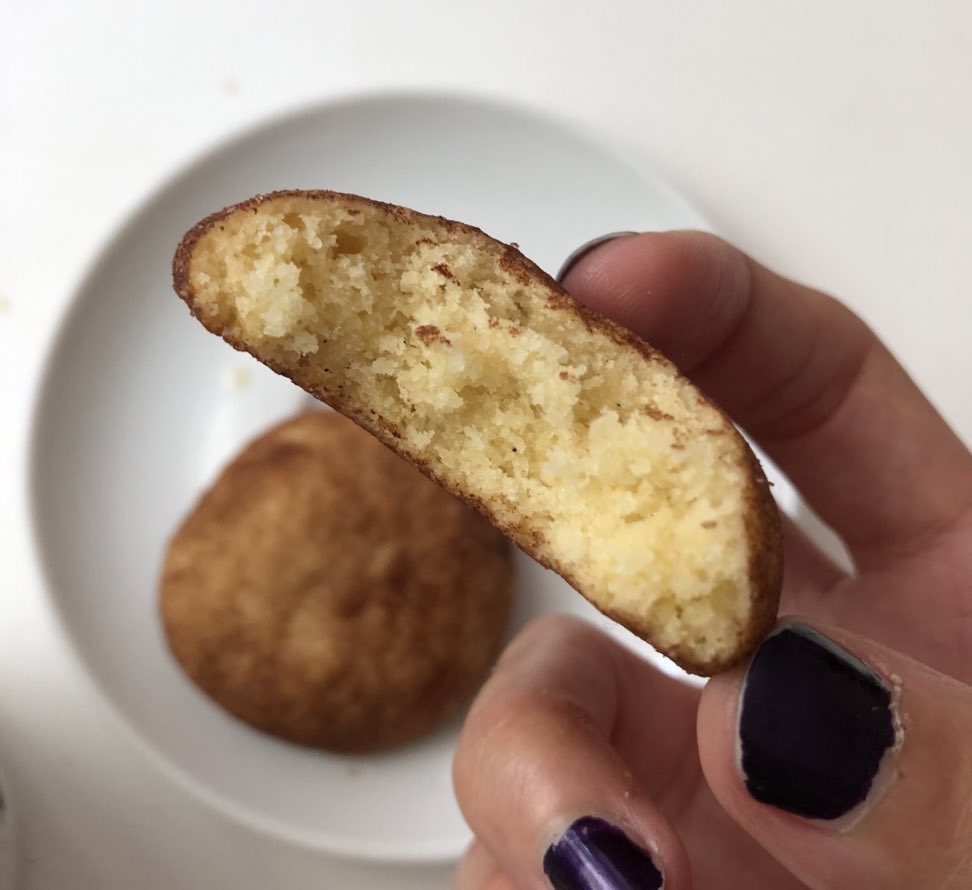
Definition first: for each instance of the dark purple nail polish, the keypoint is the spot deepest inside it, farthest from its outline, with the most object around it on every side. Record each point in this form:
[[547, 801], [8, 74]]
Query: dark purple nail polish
[[814, 724], [594, 855], [585, 249]]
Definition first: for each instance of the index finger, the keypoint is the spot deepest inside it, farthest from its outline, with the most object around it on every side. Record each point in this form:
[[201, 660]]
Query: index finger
[[800, 372], [539, 779]]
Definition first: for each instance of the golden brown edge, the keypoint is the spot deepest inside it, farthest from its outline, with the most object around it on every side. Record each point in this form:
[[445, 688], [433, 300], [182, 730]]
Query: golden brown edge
[[761, 520]]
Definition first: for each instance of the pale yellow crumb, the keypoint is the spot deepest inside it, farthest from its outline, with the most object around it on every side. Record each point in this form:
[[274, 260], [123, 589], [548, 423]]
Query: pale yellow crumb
[[591, 450], [236, 379]]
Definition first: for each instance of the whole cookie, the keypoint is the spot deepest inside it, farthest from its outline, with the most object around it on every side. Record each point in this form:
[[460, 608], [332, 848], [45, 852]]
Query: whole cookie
[[325, 592]]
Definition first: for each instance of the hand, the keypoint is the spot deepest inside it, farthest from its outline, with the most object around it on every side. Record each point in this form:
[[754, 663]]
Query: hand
[[579, 760]]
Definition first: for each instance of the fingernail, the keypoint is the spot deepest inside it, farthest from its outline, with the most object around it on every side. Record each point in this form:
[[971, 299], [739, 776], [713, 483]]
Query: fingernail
[[585, 249], [814, 724], [594, 855]]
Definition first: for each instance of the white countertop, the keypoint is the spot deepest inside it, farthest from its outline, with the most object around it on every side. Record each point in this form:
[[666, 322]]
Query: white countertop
[[832, 141]]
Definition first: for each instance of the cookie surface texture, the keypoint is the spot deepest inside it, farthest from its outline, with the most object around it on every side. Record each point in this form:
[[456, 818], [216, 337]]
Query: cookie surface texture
[[325, 592]]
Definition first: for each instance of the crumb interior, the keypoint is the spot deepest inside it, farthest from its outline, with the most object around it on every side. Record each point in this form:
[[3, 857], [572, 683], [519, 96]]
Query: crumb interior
[[629, 484]]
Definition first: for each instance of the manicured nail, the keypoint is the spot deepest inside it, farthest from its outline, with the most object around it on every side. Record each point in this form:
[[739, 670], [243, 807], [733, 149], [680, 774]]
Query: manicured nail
[[814, 724], [594, 855], [585, 249]]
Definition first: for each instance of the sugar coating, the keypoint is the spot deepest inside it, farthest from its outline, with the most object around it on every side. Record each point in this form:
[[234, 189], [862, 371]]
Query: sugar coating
[[325, 592]]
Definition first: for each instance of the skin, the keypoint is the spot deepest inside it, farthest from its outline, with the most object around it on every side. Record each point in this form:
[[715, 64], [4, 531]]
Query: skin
[[571, 725]]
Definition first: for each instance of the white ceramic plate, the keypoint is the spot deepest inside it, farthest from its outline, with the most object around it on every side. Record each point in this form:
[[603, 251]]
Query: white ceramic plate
[[141, 406], [8, 846]]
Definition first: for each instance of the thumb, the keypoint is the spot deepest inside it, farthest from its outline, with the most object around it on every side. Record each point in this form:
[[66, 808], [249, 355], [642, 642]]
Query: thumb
[[847, 761]]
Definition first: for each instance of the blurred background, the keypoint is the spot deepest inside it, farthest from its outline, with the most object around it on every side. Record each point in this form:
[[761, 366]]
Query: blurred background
[[833, 141]]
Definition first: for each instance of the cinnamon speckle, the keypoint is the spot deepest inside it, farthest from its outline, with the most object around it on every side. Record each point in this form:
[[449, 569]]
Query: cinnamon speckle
[[444, 271], [429, 334], [655, 413], [389, 427], [513, 263]]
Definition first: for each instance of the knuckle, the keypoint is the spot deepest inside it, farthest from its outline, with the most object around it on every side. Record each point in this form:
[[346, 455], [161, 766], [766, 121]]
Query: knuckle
[[497, 747], [549, 636], [490, 727]]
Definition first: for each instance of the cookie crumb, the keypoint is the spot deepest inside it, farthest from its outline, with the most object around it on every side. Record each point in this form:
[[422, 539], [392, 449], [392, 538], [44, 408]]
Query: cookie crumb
[[236, 379]]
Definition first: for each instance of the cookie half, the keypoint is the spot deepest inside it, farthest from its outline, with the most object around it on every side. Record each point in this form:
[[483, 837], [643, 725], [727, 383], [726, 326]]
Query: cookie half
[[579, 440]]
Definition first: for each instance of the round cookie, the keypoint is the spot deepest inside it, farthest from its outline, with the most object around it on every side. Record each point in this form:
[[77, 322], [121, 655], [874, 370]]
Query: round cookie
[[326, 592]]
